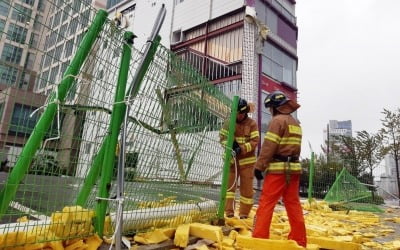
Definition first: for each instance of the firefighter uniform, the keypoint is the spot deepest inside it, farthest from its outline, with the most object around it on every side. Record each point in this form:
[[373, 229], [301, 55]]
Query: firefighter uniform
[[247, 136], [279, 159]]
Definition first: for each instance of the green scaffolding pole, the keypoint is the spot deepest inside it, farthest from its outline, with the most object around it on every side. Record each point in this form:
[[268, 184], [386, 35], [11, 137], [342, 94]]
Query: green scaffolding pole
[[227, 162], [117, 117], [19, 170], [311, 178]]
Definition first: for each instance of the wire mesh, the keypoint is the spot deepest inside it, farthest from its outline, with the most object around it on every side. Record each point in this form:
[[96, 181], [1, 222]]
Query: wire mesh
[[173, 156]]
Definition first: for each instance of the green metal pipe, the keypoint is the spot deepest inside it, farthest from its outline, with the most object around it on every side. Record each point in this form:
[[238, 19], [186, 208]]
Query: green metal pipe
[[91, 177], [117, 117], [227, 162], [311, 178], [19, 170]]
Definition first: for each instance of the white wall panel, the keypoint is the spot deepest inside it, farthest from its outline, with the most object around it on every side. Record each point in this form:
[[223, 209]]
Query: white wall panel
[[191, 13]]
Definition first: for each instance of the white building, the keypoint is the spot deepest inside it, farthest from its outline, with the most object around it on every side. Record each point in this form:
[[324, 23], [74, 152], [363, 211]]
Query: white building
[[386, 178]]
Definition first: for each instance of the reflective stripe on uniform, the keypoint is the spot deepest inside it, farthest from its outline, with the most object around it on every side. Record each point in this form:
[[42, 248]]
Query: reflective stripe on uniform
[[272, 137], [240, 140], [280, 166], [245, 200], [295, 130], [223, 132], [282, 140], [230, 195], [248, 160], [254, 134], [248, 147], [290, 141]]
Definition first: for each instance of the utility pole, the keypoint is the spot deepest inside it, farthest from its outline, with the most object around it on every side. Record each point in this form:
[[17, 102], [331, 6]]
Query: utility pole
[[327, 144]]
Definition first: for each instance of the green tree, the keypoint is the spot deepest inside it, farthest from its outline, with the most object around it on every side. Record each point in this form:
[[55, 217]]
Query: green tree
[[346, 150], [391, 136], [371, 151]]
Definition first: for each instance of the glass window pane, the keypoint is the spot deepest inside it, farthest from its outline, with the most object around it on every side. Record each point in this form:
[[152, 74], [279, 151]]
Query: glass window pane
[[16, 33], [21, 14], [11, 53]]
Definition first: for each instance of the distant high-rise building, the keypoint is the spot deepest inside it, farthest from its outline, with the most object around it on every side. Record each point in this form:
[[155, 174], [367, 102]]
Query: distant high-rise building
[[20, 55], [334, 129], [337, 128], [20, 46]]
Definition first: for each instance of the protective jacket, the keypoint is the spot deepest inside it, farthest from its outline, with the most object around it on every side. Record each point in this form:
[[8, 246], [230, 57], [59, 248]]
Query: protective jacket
[[281, 148], [247, 135]]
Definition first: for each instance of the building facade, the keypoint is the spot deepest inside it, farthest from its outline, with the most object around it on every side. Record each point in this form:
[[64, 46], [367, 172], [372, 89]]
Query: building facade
[[386, 178], [227, 41], [337, 128], [21, 51]]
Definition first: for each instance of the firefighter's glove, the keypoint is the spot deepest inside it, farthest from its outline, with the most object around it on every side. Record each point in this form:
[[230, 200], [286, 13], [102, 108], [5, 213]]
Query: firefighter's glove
[[258, 174], [236, 148]]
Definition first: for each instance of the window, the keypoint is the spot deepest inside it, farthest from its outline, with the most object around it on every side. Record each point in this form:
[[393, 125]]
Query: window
[[73, 25], [43, 79], [265, 115], [278, 65], [4, 7], [8, 75], [278, 25], [2, 24], [24, 81], [85, 19], [21, 14], [30, 61], [16, 33], [49, 58], [33, 41], [56, 20], [67, 9], [64, 67], [77, 5], [37, 24], [41, 5], [11, 54], [22, 123], [62, 34], [53, 75], [69, 46], [30, 2], [59, 50]]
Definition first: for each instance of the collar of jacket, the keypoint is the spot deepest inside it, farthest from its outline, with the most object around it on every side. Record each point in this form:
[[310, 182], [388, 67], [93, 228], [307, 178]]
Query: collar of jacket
[[245, 117]]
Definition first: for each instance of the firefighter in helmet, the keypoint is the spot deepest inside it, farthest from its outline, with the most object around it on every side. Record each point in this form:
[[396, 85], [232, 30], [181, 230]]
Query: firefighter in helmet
[[242, 164], [279, 161]]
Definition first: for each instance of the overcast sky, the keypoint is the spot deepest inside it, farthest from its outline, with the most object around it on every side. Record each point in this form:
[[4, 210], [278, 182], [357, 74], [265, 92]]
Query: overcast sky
[[349, 64]]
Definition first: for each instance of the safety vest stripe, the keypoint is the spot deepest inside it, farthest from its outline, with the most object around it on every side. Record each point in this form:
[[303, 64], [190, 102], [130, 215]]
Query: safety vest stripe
[[245, 200], [248, 147], [223, 132], [247, 160], [272, 137], [290, 140], [254, 134], [230, 195], [240, 139], [295, 130], [294, 166]]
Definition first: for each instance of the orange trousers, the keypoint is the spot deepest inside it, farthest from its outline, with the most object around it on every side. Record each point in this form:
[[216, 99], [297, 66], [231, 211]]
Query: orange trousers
[[244, 174], [275, 187]]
